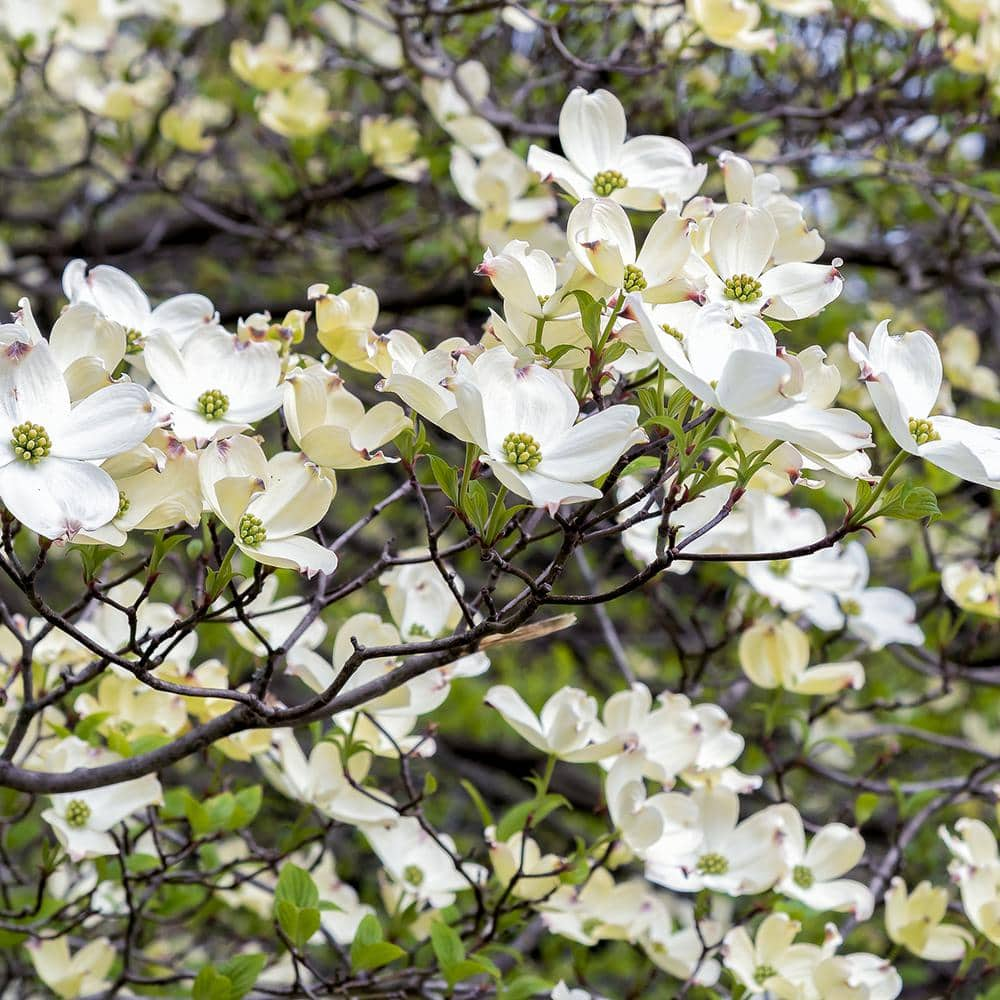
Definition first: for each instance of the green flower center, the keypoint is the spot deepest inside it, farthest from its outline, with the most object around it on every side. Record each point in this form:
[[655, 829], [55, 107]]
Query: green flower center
[[30, 442], [803, 877], [413, 874], [764, 972], [780, 567], [713, 864], [672, 331], [607, 182], [251, 530], [522, 451], [923, 431], [77, 812], [743, 288], [134, 341], [213, 403], [850, 606], [634, 280], [123, 503]]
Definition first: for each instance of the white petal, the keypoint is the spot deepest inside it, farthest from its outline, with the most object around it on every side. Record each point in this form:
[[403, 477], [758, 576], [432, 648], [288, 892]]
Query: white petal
[[966, 450], [297, 496], [82, 331], [593, 445], [183, 316], [795, 291], [592, 130], [600, 236], [106, 423], [913, 363], [298, 552], [31, 385], [117, 295], [666, 249], [742, 239], [57, 498]]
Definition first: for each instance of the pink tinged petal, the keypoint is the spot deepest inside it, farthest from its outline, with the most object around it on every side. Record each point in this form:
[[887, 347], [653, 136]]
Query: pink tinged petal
[[106, 423], [835, 430], [840, 895], [551, 167], [32, 386], [297, 552], [600, 236], [182, 316], [795, 291], [742, 239], [751, 384], [666, 250], [593, 445], [660, 164], [297, 497], [592, 130], [117, 295], [58, 498], [236, 457]]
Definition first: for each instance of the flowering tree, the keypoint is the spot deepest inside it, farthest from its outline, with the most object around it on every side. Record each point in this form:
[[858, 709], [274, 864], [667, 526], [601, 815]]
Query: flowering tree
[[499, 499]]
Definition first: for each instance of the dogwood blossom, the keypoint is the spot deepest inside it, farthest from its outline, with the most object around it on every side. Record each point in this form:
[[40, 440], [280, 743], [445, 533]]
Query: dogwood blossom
[[215, 385], [81, 820], [649, 172], [268, 504], [524, 418], [47, 477], [118, 297], [914, 919], [903, 374]]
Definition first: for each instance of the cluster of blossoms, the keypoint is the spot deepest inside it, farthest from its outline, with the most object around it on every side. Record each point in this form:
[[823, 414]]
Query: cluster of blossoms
[[639, 376]]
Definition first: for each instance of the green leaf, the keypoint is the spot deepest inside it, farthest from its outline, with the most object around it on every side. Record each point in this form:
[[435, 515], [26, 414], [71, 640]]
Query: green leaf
[[864, 806], [299, 923], [445, 476], [296, 886], [86, 729], [369, 931], [477, 505], [242, 972], [211, 985], [373, 956], [447, 945], [485, 816], [591, 311], [526, 986], [536, 810]]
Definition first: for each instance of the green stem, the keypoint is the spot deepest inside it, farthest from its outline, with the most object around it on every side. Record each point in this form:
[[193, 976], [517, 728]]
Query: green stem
[[539, 328], [550, 766], [470, 458]]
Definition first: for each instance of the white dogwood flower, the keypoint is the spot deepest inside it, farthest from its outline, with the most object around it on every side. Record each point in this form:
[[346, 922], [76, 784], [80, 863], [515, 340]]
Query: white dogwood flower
[[524, 418], [268, 505], [601, 238], [914, 919], [649, 172], [119, 298], [216, 384], [48, 479], [331, 426], [564, 728], [776, 654], [81, 820], [72, 975], [737, 274], [812, 873], [742, 371], [903, 374], [730, 857]]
